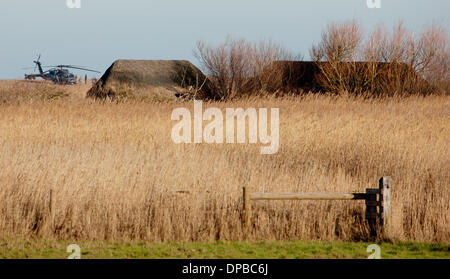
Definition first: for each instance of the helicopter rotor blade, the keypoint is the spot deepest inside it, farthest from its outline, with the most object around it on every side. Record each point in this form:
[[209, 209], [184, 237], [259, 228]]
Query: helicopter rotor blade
[[76, 67], [36, 62]]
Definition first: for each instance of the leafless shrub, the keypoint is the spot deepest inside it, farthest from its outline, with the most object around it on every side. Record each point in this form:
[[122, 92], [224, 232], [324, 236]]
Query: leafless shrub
[[434, 56], [234, 66], [337, 55], [386, 63], [265, 53], [340, 42]]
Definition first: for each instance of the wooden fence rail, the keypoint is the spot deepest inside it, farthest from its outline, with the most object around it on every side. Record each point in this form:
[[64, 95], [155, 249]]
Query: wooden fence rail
[[378, 203]]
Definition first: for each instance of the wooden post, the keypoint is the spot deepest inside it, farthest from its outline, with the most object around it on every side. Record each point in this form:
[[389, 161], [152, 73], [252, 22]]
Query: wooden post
[[247, 210], [385, 202], [371, 210], [378, 204], [52, 208]]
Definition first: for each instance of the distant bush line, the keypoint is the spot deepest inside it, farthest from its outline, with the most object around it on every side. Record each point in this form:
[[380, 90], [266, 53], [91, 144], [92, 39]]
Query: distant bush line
[[384, 63]]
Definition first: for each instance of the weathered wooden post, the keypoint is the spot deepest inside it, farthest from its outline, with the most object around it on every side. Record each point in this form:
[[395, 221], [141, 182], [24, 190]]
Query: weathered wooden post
[[385, 203], [247, 210], [52, 208]]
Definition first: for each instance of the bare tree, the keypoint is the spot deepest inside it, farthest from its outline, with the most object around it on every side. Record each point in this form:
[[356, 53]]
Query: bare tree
[[433, 60], [386, 63], [235, 66], [336, 55]]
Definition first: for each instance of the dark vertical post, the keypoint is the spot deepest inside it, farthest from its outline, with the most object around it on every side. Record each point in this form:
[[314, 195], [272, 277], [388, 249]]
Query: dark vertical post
[[371, 210]]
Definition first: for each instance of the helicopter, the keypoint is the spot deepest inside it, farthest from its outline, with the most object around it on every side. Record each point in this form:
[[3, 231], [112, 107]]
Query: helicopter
[[58, 74]]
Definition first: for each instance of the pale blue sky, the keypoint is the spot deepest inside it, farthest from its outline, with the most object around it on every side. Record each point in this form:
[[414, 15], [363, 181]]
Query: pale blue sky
[[105, 30]]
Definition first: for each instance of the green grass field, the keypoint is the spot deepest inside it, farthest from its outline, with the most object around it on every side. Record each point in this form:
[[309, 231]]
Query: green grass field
[[40, 249]]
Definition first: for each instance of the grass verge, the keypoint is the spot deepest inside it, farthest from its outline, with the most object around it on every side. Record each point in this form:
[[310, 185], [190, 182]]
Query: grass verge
[[49, 249]]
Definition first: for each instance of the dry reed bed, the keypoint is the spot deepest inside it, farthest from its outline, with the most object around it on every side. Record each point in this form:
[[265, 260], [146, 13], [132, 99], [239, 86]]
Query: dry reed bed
[[117, 174]]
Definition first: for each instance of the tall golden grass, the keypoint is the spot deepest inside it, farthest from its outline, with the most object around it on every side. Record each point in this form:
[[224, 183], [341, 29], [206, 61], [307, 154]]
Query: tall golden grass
[[117, 175], [32, 91]]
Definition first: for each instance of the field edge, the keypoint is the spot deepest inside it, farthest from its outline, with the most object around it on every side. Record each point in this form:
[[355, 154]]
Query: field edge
[[300, 249]]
